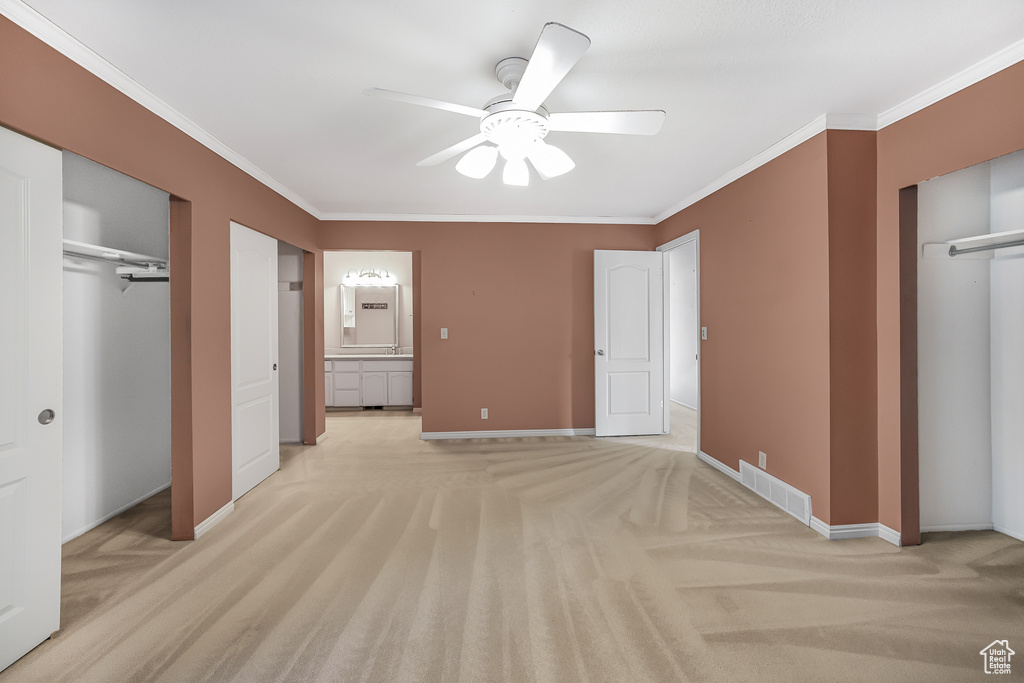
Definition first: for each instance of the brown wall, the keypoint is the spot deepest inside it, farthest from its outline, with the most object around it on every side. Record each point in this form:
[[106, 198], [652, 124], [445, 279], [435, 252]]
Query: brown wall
[[853, 469], [978, 123], [764, 297], [518, 302], [48, 97]]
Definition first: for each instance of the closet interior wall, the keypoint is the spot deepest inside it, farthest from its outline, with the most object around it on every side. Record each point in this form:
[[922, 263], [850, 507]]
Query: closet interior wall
[[289, 342], [117, 368], [971, 352]]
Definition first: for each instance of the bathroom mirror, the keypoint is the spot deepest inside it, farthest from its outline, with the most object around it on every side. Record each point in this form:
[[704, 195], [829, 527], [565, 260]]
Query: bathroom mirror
[[369, 315]]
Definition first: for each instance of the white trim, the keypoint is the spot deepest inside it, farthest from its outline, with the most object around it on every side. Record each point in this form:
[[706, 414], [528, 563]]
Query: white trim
[[989, 66], [724, 469], [841, 532], [54, 36], [778, 149], [680, 403], [69, 46], [978, 526], [320, 439], [692, 236], [487, 218], [891, 535], [506, 434], [1009, 532], [115, 513], [868, 122], [214, 519]]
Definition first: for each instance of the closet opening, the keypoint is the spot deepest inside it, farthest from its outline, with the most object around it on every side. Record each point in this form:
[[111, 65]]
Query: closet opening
[[970, 348], [116, 345]]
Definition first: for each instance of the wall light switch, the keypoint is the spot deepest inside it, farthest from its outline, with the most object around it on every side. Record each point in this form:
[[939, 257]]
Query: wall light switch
[[444, 333], [483, 413], [704, 333]]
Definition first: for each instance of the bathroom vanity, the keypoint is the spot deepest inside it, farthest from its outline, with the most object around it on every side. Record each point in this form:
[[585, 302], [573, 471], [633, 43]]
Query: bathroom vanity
[[368, 380]]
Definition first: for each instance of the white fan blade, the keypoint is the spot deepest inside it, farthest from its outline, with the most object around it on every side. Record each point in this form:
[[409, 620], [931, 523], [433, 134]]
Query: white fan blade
[[557, 51], [424, 102], [453, 151], [623, 122]]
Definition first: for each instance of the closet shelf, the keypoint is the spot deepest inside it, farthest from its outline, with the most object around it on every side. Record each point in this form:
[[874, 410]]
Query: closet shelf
[[976, 247], [131, 266]]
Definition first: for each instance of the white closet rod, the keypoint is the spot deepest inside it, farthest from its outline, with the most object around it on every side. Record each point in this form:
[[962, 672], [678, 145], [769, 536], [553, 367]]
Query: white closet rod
[[954, 250]]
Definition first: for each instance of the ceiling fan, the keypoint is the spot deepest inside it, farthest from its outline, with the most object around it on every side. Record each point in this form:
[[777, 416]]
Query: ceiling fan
[[514, 124]]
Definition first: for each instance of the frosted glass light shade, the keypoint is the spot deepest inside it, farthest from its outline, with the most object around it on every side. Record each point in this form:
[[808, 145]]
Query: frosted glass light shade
[[516, 173], [550, 161], [477, 162]]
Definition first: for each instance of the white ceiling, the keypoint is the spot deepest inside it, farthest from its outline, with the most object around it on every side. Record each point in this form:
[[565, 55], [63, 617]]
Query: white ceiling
[[280, 84]]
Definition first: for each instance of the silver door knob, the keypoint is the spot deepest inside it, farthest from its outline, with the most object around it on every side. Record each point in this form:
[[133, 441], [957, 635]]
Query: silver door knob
[[46, 417], [600, 352]]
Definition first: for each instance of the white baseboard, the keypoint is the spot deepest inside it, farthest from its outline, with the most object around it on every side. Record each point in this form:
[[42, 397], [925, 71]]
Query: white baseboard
[[115, 513], [891, 535], [214, 519], [840, 532], [724, 469], [835, 533], [320, 439], [1009, 532], [980, 526], [506, 434]]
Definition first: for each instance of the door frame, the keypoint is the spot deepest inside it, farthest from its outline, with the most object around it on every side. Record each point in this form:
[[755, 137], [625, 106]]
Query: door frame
[[693, 236]]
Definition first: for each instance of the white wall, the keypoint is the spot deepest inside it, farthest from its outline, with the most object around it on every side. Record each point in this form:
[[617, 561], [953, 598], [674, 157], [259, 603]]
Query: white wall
[[289, 342], [1007, 350], [337, 263], [117, 398], [683, 323], [955, 431], [971, 353]]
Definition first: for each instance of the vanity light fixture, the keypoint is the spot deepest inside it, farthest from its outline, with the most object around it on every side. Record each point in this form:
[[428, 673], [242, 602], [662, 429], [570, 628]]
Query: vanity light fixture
[[369, 277]]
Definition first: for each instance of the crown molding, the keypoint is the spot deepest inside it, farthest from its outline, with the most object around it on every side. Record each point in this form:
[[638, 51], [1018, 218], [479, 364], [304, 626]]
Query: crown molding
[[989, 66], [778, 149], [54, 36], [69, 46], [486, 218]]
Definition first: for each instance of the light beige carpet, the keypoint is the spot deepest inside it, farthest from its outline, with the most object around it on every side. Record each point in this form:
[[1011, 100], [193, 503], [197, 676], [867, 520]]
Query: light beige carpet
[[378, 557]]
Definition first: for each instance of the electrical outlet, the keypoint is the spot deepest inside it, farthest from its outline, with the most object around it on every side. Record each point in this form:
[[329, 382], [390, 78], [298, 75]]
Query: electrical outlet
[[762, 460], [483, 413], [444, 333]]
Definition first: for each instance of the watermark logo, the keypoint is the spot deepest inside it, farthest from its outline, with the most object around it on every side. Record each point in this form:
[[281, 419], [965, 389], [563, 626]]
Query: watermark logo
[[997, 657]]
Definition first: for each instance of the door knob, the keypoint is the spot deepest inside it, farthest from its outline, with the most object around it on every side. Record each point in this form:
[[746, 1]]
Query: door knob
[[600, 352], [275, 366], [46, 417]]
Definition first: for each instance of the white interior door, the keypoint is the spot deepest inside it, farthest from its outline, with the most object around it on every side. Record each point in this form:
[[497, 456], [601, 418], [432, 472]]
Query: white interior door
[[629, 343], [30, 393], [255, 446]]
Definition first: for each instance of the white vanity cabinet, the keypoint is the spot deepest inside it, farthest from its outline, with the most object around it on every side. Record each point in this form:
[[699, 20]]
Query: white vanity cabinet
[[368, 382]]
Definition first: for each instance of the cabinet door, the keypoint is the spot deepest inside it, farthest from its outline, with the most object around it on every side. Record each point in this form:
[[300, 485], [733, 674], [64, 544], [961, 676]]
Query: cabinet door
[[329, 389], [400, 388], [375, 388], [346, 388]]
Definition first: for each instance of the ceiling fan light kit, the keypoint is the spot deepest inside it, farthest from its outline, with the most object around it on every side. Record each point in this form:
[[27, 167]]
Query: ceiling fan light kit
[[515, 124]]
